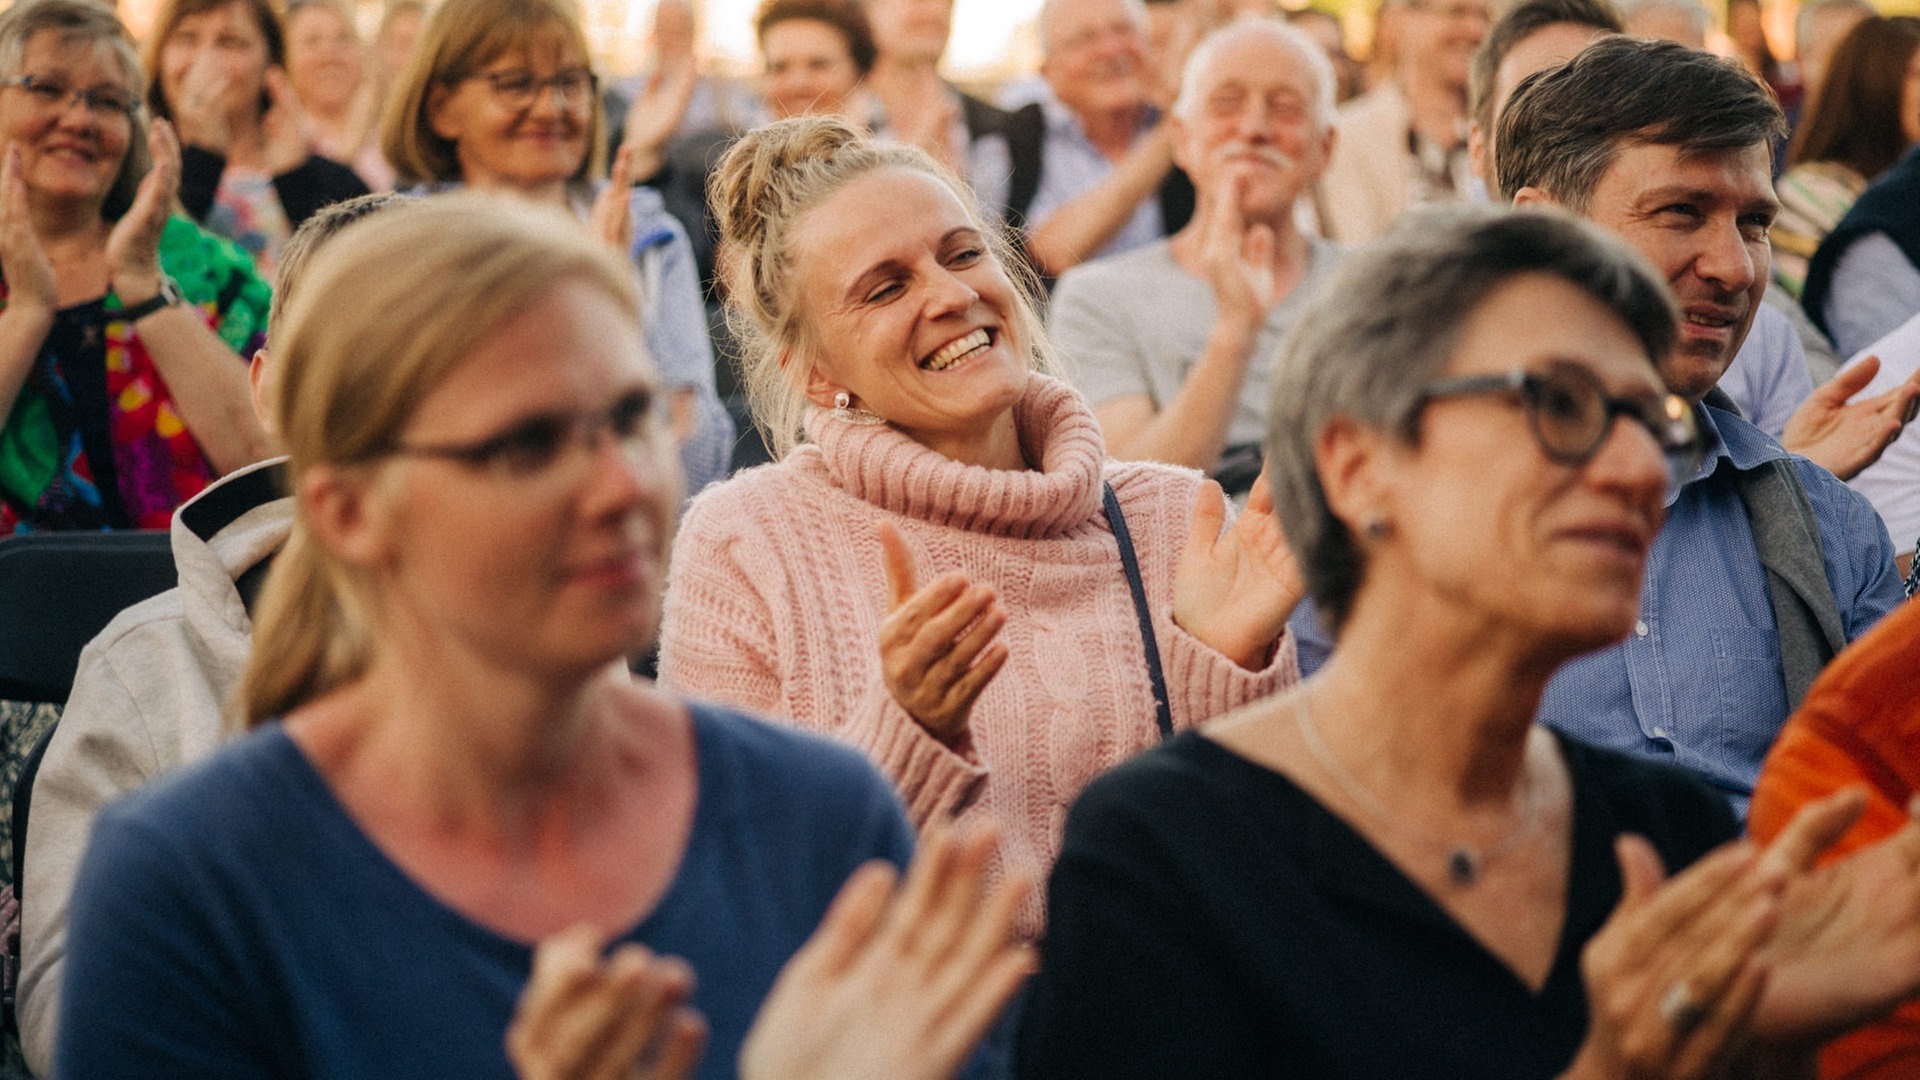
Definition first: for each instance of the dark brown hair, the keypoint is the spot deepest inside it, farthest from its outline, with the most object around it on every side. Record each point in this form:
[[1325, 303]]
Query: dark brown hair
[[847, 18], [1854, 117], [168, 20]]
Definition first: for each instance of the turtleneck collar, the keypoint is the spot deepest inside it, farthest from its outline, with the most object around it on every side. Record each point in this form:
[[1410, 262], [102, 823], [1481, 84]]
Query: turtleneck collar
[[879, 464]]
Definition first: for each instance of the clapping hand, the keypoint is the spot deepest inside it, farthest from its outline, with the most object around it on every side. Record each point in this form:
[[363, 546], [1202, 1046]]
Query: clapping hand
[[201, 110], [30, 282], [133, 247], [618, 1017], [656, 114], [1676, 975], [1848, 948], [611, 220], [897, 986], [1234, 590], [1845, 437], [938, 647]]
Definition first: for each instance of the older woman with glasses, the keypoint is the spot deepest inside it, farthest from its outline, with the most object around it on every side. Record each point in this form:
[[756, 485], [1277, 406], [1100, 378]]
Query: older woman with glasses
[[1392, 871], [455, 795], [220, 74], [500, 97], [119, 382]]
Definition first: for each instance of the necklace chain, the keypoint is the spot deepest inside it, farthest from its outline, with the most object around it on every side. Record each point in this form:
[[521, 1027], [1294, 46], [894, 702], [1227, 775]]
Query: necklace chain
[[1464, 861]]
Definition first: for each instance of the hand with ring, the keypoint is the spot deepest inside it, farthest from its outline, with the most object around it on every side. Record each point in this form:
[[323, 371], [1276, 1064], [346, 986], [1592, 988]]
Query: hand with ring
[[1676, 974]]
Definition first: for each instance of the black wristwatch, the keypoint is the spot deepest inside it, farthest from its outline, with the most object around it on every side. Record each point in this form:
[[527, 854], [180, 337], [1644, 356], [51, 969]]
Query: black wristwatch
[[168, 296]]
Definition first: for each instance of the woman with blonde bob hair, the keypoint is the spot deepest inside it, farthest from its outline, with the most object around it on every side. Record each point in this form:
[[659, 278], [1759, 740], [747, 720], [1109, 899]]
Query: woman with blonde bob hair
[[500, 96], [462, 767], [1079, 609]]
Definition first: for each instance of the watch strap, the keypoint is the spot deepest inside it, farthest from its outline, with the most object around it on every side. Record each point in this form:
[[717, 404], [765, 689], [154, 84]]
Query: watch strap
[[168, 296]]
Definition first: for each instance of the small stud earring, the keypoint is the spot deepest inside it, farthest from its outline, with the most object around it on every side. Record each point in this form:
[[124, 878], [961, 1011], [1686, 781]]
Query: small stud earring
[[843, 400], [1376, 527]]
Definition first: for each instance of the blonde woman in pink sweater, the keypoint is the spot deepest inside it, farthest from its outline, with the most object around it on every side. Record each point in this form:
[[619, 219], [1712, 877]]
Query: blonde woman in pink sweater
[[932, 571]]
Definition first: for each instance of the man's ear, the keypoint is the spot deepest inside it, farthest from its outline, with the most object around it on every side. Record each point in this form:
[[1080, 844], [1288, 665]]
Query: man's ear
[[1533, 196], [1477, 153], [257, 384]]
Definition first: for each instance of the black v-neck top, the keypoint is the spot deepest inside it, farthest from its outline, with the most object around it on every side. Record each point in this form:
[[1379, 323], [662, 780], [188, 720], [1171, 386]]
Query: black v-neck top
[[1209, 919]]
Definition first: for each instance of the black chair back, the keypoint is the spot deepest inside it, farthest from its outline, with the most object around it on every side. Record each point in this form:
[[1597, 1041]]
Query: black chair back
[[58, 590]]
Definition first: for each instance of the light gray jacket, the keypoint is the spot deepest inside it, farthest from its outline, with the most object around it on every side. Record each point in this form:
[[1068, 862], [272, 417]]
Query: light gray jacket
[[150, 694]]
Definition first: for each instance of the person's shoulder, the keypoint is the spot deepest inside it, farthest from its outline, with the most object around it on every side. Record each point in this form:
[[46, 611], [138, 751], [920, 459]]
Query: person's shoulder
[[1670, 807], [791, 779], [1154, 485], [750, 498], [1381, 104], [1119, 271], [182, 238], [334, 179], [780, 753], [230, 801]]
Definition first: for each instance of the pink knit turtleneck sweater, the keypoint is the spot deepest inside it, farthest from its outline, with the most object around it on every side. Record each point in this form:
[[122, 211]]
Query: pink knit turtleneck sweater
[[777, 590]]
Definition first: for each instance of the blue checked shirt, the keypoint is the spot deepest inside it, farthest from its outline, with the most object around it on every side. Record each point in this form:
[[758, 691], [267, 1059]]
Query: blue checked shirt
[[1698, 684]]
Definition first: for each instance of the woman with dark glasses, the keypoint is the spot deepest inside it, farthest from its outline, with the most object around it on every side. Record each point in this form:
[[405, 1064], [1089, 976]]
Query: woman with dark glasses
[[1392, 871]]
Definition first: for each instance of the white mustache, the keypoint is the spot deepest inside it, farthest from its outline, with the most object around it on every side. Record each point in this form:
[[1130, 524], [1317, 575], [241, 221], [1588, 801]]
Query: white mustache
[[1264, 154]]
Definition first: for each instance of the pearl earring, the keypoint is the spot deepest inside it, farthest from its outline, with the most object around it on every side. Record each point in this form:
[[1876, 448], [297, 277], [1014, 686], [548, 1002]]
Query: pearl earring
[[842, 400]]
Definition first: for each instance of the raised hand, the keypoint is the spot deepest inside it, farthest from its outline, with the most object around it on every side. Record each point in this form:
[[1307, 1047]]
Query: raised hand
[[938, 647], [283, 127], [1675, 976], [656, 114], [621, 1017], [611, 219], [133, 246], [1234, 590], [896, 986], [1238, 257], [1847, 437], [201, 110], [30, 283]]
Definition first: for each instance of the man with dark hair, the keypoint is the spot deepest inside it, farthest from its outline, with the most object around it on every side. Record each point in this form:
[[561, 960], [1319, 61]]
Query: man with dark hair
[[1532, 35], [1767, 565]]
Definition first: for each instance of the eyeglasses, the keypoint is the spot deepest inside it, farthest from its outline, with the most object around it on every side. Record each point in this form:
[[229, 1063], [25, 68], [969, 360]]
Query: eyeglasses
[[535, 448], [1570, 414], [517, 89], [51, 95]]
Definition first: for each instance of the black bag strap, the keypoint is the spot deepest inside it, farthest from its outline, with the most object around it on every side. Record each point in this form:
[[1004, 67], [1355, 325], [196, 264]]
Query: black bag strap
[[1162, 707], [1787, 536]]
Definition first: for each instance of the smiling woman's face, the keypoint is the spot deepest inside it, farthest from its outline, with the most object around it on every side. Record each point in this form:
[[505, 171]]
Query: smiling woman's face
[[68, 151], [908, 311], [501, 145]]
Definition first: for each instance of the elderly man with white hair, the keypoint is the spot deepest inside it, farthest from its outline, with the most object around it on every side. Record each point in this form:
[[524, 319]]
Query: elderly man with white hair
[[1172, 343]]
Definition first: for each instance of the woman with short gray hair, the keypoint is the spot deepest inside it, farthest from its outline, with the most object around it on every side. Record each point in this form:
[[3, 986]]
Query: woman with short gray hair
[[1392, 871]]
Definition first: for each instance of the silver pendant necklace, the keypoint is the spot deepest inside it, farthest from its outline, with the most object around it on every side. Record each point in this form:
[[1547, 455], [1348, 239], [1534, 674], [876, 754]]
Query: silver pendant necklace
[[1465, 862]]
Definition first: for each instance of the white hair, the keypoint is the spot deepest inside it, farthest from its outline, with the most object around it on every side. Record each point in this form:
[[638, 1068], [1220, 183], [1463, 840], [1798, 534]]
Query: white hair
[[1200, 61], [1695, 12]]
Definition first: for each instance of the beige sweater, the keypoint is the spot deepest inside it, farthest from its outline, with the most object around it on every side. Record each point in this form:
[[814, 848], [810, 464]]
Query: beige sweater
[[777, 591]]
